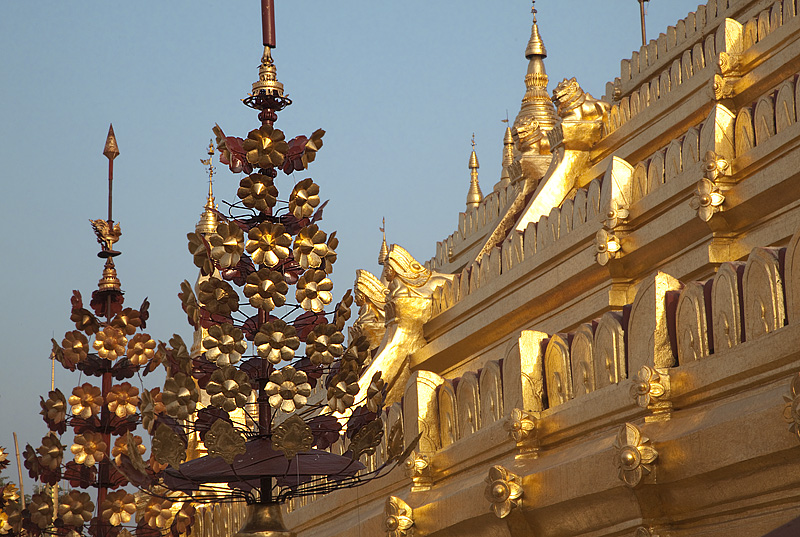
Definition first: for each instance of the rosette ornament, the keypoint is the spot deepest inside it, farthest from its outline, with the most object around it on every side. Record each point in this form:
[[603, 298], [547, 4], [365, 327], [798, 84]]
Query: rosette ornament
[[268, 243], [110, 343], [122, 399], [75, 508], [343, 390], [520, 426], [607, 246], [54, 409], [266, 147], [633, 457], [128, 320], [314, 290], [125, 445], [304, 198], [51, 452], [266, 289], [180, 396], [157, 513], [258, 191], [309, 247], [229, 388], [707, 200], [375, 393], [647, 386], [88, 448], [118, 507], [288, 389], [218, 296], [324, 344], [86, 401], [503, 490], [224, 344], [227, 244], [141, 349], [276, 341], [41, 509], [76, 347]]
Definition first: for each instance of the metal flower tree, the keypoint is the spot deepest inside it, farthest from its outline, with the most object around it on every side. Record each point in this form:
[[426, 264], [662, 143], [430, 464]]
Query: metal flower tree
[[109, 346], [264, 291]]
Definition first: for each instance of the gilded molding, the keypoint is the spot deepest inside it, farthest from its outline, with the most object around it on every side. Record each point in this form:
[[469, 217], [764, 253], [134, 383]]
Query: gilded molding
[[650, 390], [399, 521], [634, 458], [503, 491], [418, 468], [792, 410], [521, 428]]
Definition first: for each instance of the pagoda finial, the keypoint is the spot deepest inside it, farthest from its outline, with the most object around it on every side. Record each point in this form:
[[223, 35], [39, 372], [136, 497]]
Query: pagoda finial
[[535, 44], [474, 196], [384, 253], [208, 220]]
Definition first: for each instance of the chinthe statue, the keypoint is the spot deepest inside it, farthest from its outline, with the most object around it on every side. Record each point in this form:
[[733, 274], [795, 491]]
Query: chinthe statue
[[574, 104]]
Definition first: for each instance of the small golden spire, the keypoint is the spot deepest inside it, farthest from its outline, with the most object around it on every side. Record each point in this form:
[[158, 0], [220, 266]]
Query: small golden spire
[[109, 281], [384, 253], [474, 196], [535, 44], [208, 220]]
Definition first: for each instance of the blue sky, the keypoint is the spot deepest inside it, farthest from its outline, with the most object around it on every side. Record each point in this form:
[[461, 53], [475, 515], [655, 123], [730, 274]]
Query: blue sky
[[400, 87]]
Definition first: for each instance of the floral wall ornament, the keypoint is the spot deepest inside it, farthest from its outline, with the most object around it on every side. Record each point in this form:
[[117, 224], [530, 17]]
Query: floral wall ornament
[[616, 215], [314, 290], [503, 490], [399, 521], [650, 390], [607, 246], [292, 436], [223, 441], [707, 199], [791, 412], [418, 468], [634, 457], [521, 428]]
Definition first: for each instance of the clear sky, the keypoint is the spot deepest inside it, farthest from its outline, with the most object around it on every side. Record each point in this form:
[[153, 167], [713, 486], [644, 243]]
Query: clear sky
[[400, 87]]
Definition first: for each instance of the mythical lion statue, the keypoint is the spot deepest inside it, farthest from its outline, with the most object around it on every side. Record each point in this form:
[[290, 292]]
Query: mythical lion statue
[[527, 135], [370, 295], [574, 104]]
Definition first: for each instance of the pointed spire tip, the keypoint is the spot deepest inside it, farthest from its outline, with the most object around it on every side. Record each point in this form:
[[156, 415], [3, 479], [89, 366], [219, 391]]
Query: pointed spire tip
[[111, 149]]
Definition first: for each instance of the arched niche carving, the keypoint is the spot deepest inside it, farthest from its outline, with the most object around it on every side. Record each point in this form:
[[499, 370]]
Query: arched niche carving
[[613, 118], [475, 277], [763, 293], [579, 208], [655, 172], [624, 110], [529, 240], [687, 64], [776, 15], [491, 392], [554, 224], [468, 405], [764, 119], [513, 250], [557, 370], [691, 326], [664, 83], [744, 137], [690, 150], [463, 282], [672, 161], [763, 24], [582, 359], [675, 74], [710, 50], [792, 279], [648, 335], [543, 238], [610, 365], [593, 201], [567, 211], [726, 293], [523, 372], [448, 414], [784, 107], [750, 33], [639, 181], [698, 58], [635, 103]]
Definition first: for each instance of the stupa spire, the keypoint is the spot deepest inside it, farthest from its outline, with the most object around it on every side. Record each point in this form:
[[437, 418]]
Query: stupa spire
[[384, 253], [536, 103], [208, 220], [475, 195]]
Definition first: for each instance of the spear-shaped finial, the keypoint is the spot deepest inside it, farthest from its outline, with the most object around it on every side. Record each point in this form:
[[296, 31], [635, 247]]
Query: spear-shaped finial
[[111, 149]]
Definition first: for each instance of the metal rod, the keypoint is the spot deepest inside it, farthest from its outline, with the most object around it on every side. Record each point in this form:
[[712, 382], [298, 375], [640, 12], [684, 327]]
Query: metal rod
[[110, 187], [268, 22], [19, 472], [644, 30]]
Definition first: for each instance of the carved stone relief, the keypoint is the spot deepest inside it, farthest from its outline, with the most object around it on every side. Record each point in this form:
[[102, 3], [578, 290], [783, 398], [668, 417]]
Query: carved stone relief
[[420, 412], [468, 405], [583, 360], [764, 120], [523, 372], [491, 394], [557, 370], [648, 337], [745, 133], [448, 414], [726, 292], [691, 323], [792, 279]]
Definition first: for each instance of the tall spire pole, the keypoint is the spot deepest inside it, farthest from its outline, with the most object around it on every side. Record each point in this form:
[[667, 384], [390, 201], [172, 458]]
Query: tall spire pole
[[268, 22], [643, 16]]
